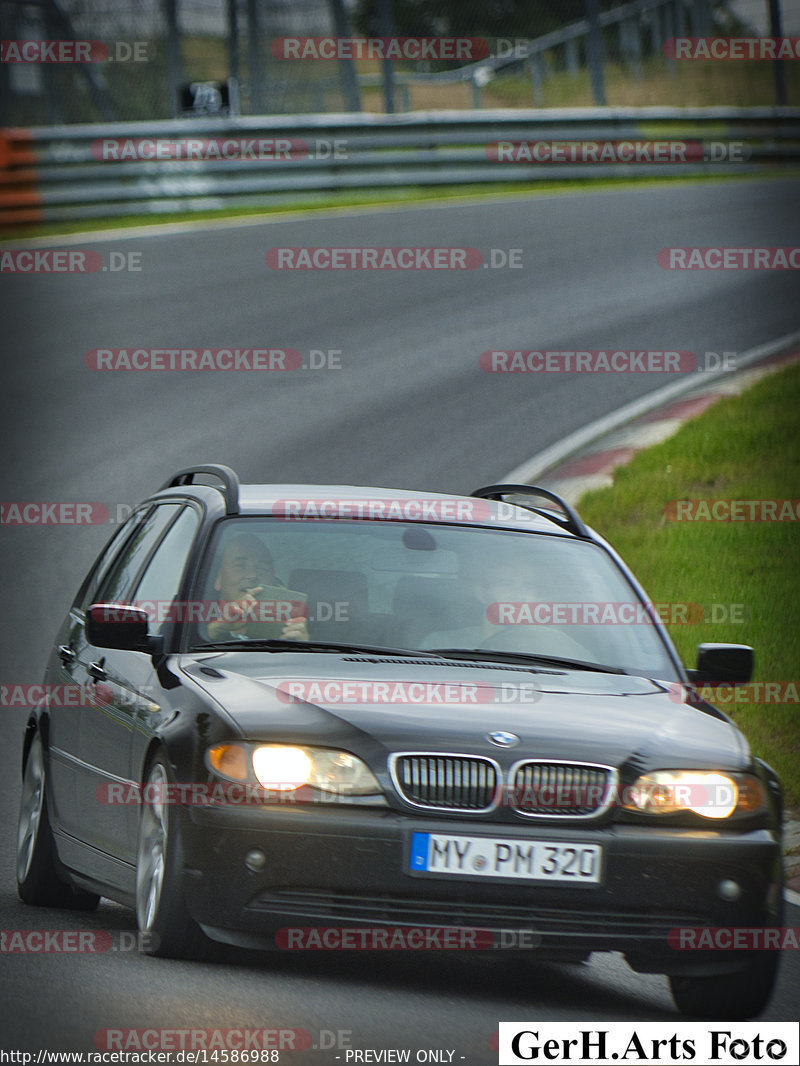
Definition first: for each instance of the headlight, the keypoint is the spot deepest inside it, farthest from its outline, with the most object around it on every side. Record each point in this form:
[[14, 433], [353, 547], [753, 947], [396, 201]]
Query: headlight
[[282, 768], [287, 767], [708, 793]]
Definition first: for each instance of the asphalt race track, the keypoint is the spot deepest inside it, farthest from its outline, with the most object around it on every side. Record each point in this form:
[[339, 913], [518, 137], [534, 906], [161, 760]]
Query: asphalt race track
[[404, 403]]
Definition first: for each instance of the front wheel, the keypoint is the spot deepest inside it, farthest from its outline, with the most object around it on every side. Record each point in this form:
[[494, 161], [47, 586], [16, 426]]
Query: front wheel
[[730, 996], [163, 918], [38, 881]]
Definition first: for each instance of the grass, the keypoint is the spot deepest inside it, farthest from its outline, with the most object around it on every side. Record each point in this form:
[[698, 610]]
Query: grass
[[691, 84], [746, 447]]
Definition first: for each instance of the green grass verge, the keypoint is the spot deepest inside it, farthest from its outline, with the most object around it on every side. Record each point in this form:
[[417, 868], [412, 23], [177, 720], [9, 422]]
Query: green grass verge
[[697, 83], [745, 447]]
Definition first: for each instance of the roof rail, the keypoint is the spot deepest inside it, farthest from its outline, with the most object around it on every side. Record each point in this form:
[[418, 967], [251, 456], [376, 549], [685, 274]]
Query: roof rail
[[228, 477], [573, 523]]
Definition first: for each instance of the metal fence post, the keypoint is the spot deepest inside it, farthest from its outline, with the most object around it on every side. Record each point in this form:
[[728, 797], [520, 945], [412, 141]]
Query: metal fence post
[[571, 56], [700, 18], [594, 48], [386, 23], [255, 65], [233, 40], [680, 18], [777, 66], [630, 47], [535, 68], [4, 93], [347, 71], [475, 88], [174, 66], [656, 37], [669, 31]]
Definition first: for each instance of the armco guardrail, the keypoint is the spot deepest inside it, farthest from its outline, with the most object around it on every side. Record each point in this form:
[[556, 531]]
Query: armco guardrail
[[97, 171]]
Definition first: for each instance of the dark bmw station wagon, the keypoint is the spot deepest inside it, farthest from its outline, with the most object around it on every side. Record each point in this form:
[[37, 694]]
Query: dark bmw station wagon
[[345, 708]]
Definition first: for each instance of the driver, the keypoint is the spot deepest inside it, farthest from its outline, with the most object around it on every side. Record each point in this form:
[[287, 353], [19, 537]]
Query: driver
[[245, 569]]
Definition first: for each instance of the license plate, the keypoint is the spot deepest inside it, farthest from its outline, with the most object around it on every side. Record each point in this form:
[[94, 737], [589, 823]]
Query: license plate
[[529, 860]]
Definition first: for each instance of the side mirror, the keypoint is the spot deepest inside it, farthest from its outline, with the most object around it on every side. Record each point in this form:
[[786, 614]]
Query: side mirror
[[720, 664], [117, 625]]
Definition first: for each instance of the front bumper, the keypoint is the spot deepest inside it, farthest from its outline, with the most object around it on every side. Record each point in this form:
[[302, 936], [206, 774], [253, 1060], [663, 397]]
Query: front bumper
[[343, 867]]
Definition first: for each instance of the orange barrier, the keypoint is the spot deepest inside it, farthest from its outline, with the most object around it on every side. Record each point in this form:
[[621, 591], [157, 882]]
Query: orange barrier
[[20, 201]]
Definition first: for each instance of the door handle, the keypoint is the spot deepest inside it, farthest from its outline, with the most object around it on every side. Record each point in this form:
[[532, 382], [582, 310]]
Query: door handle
[[97, 671], [66, 654]]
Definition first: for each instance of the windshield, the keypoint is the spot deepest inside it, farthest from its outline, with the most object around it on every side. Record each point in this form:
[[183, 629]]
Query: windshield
[[401, 585]]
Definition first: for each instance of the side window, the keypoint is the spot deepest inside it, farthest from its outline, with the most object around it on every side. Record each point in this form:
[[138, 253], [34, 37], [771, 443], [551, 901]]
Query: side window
[[88, 590], [122, 576], [161, 580]]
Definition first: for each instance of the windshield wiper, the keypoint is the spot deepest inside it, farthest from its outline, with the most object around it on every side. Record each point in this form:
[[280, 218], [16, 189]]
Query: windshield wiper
[[279, 644], [486, 654]]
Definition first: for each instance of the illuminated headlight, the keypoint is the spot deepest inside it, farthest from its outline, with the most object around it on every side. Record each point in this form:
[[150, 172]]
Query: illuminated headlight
[[708, 793], [287, 767], [282, 768]]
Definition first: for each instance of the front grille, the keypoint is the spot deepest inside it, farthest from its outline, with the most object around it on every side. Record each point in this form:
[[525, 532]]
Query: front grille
[[575, 790], [446, 782]]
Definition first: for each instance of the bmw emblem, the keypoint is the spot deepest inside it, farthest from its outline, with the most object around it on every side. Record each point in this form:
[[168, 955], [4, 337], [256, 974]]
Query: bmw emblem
[[503, 740]]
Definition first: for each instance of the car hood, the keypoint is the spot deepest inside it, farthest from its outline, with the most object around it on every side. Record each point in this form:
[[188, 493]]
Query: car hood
[[369, 702]]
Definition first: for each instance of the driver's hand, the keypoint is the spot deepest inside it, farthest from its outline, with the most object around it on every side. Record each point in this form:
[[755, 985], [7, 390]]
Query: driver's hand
[[236, 609], [295, 629]]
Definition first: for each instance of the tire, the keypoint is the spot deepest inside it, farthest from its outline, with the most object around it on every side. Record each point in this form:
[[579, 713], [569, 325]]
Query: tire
[[38, 880], [166, 927], [731, 996]]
